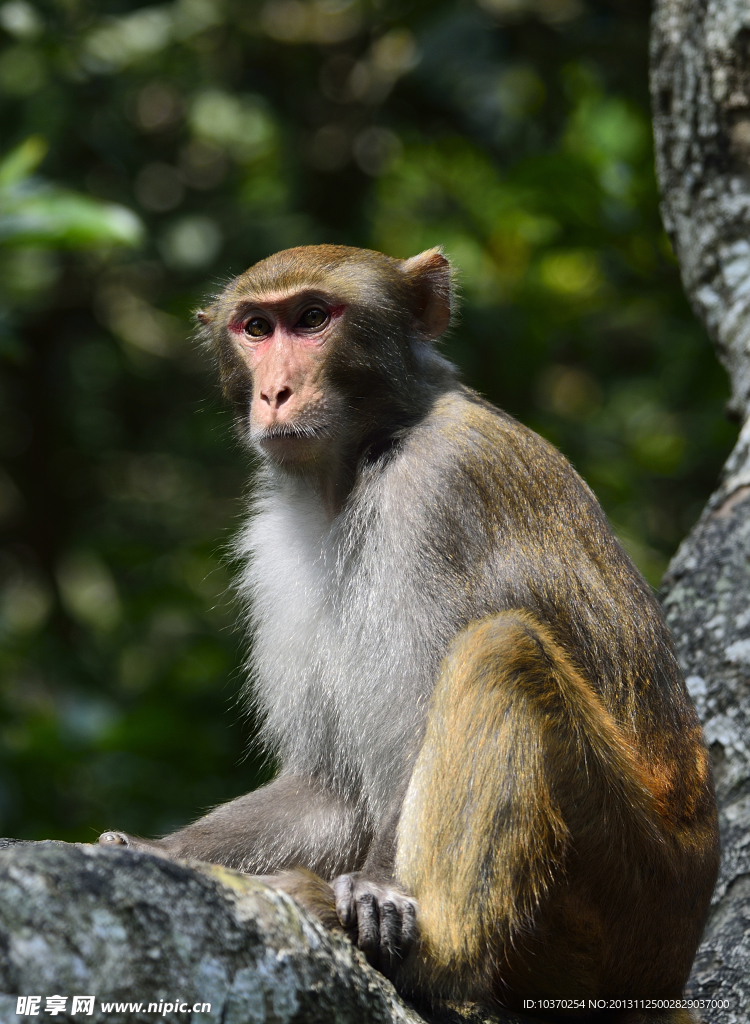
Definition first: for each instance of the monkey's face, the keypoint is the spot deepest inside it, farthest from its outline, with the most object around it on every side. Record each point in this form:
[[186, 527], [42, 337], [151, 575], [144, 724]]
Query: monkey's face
[[318, 348], [284, 340]]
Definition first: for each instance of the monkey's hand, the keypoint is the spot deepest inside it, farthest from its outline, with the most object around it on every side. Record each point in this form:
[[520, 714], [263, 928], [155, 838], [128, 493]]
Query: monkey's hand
[[379, 918], [133, 843]]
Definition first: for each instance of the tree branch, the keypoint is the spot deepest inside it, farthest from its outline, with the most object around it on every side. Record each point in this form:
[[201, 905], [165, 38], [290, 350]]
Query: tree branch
[[701, 96]]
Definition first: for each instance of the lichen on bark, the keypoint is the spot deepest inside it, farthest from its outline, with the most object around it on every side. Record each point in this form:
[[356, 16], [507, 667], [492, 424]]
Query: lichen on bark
[[134, 928], [700, 80]]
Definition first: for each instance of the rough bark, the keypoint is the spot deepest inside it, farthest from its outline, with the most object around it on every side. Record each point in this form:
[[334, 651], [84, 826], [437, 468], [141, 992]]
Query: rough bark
[[134, 928], [701, 95]]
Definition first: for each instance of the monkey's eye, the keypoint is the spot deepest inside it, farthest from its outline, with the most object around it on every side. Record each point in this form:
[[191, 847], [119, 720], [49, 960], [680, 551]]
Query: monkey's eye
[[313, 318], [257, 327]]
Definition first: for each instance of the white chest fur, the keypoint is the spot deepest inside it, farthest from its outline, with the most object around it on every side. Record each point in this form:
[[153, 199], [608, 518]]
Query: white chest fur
[[340, 664]]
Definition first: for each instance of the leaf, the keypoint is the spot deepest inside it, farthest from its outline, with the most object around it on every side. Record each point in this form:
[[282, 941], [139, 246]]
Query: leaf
[[22, 160], [38, 213], [34, 213]]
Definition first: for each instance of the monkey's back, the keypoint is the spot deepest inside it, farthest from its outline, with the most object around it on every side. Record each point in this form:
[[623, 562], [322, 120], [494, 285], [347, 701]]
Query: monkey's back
[[509, 520]]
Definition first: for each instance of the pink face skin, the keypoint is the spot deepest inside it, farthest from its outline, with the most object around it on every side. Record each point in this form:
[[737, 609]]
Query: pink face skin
[[284, 339]]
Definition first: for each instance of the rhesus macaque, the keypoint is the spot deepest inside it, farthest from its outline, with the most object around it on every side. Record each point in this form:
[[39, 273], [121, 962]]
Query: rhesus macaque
[[491, 775]]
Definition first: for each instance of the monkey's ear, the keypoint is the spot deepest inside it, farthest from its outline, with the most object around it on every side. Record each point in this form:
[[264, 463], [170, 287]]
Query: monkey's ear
[[205, 316], [430, 274]]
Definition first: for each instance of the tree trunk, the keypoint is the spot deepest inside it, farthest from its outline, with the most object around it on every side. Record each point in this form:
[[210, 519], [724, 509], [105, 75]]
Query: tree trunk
[[700, 63]]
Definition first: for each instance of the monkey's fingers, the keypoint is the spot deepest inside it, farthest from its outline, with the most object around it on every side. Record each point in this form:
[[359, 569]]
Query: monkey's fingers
[[343, 891], [409, 926], [390, 933], [398, 926], [368, 926], [380, 919], [114, 839], [132, 843]]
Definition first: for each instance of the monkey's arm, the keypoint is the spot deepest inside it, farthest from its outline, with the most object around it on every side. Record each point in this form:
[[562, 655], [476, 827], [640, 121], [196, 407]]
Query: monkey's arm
[[378, 914], [368, 905], [295, 834], [292, 822]]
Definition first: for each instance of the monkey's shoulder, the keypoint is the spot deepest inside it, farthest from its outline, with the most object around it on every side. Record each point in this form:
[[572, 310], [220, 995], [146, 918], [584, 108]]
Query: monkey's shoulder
[[469, 444], [491, 491], [519, 527]]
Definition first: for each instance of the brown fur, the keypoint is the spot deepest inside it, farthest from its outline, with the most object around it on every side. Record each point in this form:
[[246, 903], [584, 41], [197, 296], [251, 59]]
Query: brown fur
[[510, 870], [551, 805]]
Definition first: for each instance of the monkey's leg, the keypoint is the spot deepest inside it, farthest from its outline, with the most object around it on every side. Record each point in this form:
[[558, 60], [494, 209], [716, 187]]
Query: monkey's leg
[[291, 822], [531, 839]]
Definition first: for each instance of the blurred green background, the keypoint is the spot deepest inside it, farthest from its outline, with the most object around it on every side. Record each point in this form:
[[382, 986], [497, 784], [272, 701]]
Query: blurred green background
[[147, 154]]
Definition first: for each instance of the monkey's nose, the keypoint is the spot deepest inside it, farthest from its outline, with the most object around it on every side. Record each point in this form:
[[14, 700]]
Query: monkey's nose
[[276, 397]]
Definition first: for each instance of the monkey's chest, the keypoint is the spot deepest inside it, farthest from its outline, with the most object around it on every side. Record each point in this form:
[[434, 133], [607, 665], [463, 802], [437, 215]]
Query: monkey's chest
[[344, 680], [348, 641]]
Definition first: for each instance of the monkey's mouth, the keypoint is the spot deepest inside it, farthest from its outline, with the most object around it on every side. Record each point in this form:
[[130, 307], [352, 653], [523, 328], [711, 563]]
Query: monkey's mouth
[[291, 442]]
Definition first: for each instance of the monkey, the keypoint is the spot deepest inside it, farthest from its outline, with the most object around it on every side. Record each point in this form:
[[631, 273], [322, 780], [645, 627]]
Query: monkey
[[491, 776]]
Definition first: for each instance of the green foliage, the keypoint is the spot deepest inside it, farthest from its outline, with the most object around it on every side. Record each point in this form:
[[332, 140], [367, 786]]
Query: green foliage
[[34, 213], [513, 132]]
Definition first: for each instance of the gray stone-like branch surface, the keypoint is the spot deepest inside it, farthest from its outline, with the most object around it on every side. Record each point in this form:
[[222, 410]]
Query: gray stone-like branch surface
[[706, 601], [134, 928], [701, 95], [700, 87]]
